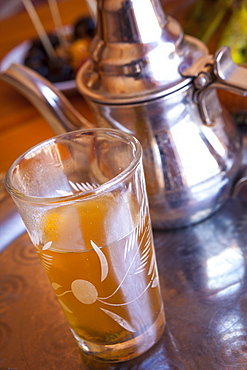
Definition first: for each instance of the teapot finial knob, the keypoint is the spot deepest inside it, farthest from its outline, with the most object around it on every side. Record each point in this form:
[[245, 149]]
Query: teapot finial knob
[[136, 54]]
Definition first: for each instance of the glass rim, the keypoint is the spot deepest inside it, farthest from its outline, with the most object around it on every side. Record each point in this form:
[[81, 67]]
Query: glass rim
[[80, 195]]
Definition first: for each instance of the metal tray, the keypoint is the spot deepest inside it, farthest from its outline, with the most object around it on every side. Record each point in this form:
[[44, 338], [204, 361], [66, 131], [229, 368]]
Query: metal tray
[[203, 273]]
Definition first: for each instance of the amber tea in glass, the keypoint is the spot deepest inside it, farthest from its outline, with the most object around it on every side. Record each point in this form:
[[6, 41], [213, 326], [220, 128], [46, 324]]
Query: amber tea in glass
[[83, 200]]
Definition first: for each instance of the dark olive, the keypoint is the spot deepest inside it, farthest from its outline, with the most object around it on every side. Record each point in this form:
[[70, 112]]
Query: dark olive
[[59, 70], [84, 27]]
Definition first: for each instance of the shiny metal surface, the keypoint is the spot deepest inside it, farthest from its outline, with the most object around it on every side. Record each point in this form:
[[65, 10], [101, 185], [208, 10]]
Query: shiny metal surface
[[137, 54], [133, 82], [49, 101], [190, 168], [218, 72], [229, 72], [203, 280]]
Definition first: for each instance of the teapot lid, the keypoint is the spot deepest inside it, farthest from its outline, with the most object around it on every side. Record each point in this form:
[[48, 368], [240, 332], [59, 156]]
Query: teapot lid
[[137, 54]]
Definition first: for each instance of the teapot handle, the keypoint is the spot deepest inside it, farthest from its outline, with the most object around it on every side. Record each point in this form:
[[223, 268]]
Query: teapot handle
[[218, 72], [239, 185], [49, 101]]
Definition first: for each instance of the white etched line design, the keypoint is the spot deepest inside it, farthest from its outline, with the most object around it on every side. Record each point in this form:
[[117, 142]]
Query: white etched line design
[[103, 260], [56, 286], [152, 264], [155, 282], [138, 271], [130, 243], [126, 303], [141, 268], [46, 261], [73, 185], [147, 234], [64, 306], [63, 192], [122, 322], [47, 246], [82, 186]]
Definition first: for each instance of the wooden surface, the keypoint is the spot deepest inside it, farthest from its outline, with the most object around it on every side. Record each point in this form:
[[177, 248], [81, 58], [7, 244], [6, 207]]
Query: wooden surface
[[21, 126]]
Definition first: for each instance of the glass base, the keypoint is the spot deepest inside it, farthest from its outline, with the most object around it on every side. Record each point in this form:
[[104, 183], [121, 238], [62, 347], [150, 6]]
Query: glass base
[[124, 351]]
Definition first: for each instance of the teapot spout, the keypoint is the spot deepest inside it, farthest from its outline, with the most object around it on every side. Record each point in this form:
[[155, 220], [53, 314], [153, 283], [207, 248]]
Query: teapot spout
[[49, 101]]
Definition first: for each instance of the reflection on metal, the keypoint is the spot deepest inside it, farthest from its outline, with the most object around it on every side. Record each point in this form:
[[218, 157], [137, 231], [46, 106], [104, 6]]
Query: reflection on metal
[[225, 271], [191, 164]]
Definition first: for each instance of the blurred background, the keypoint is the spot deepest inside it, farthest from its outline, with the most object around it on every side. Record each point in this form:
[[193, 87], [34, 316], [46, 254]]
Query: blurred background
[[216, 22], [11, 7]]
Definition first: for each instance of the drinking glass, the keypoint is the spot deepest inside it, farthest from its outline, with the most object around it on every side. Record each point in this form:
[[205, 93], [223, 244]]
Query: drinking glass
[[83, 201]]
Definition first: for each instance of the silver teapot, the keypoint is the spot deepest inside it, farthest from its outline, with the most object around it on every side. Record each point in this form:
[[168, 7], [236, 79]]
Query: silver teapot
[[145, 77]]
